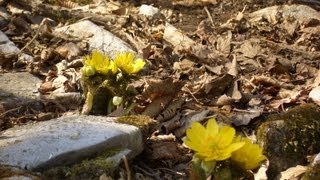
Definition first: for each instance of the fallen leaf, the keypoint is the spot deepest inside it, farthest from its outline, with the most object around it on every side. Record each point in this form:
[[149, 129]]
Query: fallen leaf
[[176, 37], [250, 49], [293, 172], [244, 117], [171, 110], [157, 105], [68, 51], [45, 87], [219, 85], [315, 95], [224, 43], [194, 2], [192, 117]]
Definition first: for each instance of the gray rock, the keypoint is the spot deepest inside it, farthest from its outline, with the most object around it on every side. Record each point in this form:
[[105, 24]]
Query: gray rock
[[19, 85], [65, 140], [7, 47], [98, 38], [9, 52], [4, 17], [19, 89]]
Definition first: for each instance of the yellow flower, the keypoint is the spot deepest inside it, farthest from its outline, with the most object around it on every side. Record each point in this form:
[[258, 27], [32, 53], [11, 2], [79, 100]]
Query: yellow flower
[[125, 61], [212, 143], [113, 67], [248, 156], [99, 63]]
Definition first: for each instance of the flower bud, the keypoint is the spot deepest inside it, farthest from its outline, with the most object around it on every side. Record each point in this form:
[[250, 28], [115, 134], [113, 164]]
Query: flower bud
[[116, 100], [88, 71]]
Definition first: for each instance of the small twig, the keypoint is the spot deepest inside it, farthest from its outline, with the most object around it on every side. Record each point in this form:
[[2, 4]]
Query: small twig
[[193, 96], [11, 110], [126, 164], [172, 171], [44, 21], [243, 110], [155, 176], [209, 15], [255, 88]]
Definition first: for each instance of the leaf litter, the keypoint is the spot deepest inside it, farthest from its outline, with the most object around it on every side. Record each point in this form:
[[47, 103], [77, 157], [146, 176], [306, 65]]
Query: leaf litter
[[237, 61]]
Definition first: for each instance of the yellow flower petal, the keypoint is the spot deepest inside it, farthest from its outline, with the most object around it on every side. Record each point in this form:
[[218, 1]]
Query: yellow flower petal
[[125, 62], [212, 143], [97, 57], [225, 136], [249, 156], [113, 67], [196, 136], [212, 127], [100, 63], [138, 65]]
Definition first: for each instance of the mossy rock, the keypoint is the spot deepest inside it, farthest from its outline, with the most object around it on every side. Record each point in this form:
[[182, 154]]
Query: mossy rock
[[87, 169], [289, 137], [145, 123], [7, 172]]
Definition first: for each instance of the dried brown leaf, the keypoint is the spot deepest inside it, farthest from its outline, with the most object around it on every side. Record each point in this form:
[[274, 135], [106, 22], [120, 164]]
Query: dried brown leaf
[[244, 117], [171, 125], [157, 105], [46, 87], [158, 138], [157, 87], [224, 43], [219, 85], [293, 173], [315, 95], [168, 150], [224, 100], [250, 49], [67, 4], [192, 117], [194, 2], [177, 37], [68, 51], [171, 110], [233, 70]]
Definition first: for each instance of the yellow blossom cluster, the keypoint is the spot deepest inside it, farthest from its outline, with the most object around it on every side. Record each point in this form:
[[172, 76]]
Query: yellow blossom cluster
[[213, 143], [98, 63]]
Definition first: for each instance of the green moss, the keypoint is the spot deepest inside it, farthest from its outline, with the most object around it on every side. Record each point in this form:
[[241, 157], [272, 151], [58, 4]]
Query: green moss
[[145, 123], [86, 169], [7, 172]]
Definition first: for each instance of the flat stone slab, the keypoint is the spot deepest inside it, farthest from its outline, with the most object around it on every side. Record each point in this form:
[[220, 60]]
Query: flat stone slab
[[65, 140], [19, 89], [19, 85]]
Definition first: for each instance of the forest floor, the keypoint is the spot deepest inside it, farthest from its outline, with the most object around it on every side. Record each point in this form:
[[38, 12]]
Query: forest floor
[[233, 60]]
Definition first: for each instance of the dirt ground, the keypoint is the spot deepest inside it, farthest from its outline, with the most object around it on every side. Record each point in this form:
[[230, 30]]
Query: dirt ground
[[239, 70]]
